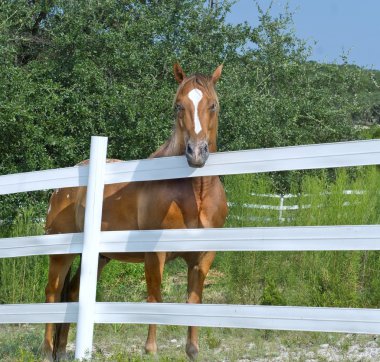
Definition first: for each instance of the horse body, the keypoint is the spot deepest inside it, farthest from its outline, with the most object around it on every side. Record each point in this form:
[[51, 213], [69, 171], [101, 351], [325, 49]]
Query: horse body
[[198, 202]]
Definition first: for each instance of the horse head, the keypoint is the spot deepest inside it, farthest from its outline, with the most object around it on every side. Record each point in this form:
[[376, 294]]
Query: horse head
[[197, 107]]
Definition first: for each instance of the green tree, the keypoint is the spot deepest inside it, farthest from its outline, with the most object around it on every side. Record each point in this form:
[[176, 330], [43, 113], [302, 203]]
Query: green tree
[[72, 69]]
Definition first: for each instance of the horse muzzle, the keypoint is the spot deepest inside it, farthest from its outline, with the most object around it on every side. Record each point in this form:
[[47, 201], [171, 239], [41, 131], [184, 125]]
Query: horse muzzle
[[197, 153]]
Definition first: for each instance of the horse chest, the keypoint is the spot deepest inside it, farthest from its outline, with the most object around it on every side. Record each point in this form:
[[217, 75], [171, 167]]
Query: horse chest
[[169, 204]]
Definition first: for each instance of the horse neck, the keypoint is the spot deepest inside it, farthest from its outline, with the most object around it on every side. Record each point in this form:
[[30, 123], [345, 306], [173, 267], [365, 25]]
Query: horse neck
[[202, 185], [174, 146], [212, 143]]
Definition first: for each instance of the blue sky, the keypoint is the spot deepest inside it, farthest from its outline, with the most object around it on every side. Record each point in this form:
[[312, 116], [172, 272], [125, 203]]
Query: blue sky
[[338, 26]]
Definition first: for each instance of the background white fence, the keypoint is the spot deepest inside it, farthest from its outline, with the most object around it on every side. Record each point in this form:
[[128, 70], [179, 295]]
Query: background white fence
[[282, 208], [92, 241]]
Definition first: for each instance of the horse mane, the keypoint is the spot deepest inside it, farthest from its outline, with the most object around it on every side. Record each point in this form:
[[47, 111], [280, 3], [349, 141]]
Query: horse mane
[[171, 146]]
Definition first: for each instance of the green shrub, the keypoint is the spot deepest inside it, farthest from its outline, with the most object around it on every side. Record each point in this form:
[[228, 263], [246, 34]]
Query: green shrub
[[67, 75]]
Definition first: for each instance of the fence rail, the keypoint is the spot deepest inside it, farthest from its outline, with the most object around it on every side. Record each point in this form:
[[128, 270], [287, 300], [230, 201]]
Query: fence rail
[[291, 238], [321, 319], [364, 237], [340, 154]]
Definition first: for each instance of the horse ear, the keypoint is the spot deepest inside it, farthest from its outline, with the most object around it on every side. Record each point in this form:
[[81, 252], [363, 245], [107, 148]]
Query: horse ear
[[179, 74], [217, 73]]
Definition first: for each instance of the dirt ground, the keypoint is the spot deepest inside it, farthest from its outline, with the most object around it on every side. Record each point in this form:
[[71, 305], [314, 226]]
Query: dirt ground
[[126, 342]]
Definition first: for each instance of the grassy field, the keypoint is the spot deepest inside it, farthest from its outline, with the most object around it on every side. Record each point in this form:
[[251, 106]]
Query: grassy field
[[341, 279]]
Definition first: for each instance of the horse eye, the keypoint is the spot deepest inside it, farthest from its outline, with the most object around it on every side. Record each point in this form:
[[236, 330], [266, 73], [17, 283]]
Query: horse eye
[[178, 107], [213, 107]]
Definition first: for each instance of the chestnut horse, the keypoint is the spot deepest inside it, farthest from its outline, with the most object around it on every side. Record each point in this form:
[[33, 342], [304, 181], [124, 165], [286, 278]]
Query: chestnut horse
[[197, 202]]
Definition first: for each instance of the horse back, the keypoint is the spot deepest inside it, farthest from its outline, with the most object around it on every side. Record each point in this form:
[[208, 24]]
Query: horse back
[[67, 207], [165, 204]]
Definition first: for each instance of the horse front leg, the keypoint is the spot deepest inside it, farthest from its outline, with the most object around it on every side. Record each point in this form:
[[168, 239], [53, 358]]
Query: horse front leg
[[154, 268], [59, 266], [198, 266]]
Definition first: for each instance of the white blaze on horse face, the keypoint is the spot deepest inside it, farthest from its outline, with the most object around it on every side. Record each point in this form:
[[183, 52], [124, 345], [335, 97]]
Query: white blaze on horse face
[[195, 96]]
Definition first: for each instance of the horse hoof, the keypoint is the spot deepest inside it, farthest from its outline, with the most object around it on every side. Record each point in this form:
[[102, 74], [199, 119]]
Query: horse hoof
[[61, 356], [151, 348], [192, 351], [46, 358], [46, 353]]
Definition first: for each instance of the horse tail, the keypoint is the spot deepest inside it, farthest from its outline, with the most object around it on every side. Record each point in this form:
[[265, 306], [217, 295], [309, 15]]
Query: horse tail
[[59, 326]]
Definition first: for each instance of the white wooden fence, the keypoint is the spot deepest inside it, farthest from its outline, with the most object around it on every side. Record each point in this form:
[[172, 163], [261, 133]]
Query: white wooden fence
[[281, 208], [92, 241]]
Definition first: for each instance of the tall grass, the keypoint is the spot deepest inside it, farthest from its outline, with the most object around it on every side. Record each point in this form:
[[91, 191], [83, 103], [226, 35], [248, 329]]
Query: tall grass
[[22, 280], [122, 282], [293, 278], [305, 278]]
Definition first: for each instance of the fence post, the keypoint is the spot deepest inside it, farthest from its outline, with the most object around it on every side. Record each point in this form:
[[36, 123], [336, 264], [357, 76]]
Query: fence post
[[90, 254], [281, 207]]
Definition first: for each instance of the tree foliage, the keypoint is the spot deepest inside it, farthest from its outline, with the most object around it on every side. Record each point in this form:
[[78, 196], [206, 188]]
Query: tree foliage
[[72, 69]]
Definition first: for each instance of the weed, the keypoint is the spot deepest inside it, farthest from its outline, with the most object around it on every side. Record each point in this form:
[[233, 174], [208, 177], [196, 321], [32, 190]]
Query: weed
[[22, 280], [331, 278], [211, 339]]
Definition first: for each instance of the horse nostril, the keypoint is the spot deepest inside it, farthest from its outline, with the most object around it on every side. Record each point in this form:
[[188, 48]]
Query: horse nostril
[[204, 148], [189, 150]]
